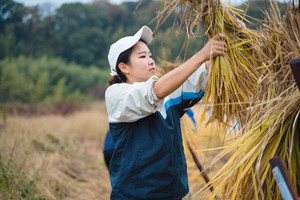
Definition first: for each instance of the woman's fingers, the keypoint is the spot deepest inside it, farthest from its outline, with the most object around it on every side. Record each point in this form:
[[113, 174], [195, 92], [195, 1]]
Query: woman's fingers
[[219, 52], [219, 44], [215, 46], [218, 40], [219, 36], [218, 47], [241, 24]]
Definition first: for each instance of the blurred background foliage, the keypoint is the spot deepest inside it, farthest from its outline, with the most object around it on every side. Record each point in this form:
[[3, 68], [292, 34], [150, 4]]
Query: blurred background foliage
[[50, 56]]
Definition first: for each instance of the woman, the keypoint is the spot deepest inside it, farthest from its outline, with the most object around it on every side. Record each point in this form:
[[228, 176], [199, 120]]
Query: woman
[[144, 117]]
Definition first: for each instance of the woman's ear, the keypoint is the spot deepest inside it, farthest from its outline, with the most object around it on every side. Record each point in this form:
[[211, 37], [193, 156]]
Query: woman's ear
[[123, 68]]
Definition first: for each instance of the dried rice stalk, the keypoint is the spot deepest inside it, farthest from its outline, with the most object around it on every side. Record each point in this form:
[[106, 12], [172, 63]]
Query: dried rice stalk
[[273, 120], [273, 130], [253, 83], [232, 77]]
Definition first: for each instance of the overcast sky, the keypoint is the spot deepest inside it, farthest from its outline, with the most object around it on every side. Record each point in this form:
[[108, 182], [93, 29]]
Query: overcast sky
[[52, 4], [57, 3]]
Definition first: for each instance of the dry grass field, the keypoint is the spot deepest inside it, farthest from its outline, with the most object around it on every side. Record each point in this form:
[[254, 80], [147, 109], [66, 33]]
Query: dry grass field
[[60, 157]]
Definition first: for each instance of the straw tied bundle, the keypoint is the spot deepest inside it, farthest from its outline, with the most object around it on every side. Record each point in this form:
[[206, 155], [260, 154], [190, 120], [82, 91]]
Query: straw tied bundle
[[251, 84], [232, 79]]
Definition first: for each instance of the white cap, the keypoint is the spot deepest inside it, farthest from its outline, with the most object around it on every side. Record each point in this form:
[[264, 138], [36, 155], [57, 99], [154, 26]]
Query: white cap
[[125, 43]]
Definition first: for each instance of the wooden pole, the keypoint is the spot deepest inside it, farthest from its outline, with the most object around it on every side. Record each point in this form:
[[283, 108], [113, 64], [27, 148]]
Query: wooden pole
[[198, 164], [283, 179]]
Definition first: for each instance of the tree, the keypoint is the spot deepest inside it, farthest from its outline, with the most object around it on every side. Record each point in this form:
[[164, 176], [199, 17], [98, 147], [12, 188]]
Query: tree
[[10, 13], [80, 34]]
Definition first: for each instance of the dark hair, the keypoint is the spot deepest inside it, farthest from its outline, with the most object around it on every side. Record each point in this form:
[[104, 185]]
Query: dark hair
[[124, 57]]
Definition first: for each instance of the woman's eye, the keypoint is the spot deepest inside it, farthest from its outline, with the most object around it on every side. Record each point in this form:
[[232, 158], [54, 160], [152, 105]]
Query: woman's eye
[[142, 56]]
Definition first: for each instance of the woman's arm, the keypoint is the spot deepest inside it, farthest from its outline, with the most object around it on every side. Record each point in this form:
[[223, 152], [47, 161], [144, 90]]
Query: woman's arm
[[173, 79]]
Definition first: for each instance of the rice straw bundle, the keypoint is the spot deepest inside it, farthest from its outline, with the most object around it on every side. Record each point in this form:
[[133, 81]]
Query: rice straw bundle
[[253, 83], [273, 130], [273, 123], [232, 77]]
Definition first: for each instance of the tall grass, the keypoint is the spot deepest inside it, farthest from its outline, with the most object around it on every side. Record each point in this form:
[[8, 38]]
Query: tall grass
[[54, 156]]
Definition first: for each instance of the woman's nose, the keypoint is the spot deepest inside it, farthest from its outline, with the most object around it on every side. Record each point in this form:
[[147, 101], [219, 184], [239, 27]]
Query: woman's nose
[[151, 61]]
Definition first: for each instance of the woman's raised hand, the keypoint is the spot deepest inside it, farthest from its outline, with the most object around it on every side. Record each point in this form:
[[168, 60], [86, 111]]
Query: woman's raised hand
[[215, 46], [242, 25]]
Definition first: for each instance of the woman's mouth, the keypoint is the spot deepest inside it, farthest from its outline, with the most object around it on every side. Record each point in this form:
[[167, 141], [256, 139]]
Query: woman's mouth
[[152, 69]]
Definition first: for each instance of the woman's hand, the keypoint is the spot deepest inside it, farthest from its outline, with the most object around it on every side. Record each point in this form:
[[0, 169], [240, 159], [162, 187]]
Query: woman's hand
[[216, 42], [242, 25], [214, 47], [173, 79], [176, 77]]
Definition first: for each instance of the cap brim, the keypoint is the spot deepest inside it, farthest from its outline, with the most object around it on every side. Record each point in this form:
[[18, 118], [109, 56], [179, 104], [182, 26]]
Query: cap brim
[[145, 34]]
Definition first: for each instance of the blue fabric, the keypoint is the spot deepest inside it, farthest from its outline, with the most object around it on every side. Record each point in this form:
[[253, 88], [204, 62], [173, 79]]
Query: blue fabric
[[108, 148], [190, 113], [108, 143], [185, 96], [148, 161]]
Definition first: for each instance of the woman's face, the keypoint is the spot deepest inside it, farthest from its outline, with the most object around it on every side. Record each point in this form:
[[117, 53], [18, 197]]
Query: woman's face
[[141, 66]]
